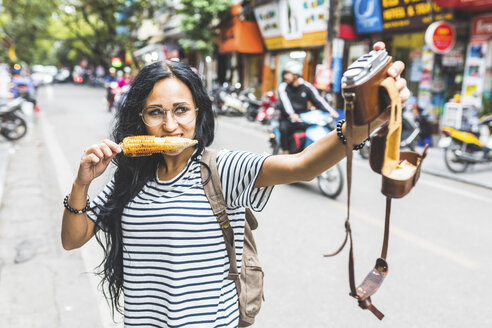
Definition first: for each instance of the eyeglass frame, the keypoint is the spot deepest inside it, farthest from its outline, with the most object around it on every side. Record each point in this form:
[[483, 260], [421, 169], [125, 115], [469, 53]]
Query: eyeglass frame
[[166, 110]]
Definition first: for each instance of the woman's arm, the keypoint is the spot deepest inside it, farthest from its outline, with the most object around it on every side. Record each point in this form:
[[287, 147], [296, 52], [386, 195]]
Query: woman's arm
[[327, 151], [77, 229]]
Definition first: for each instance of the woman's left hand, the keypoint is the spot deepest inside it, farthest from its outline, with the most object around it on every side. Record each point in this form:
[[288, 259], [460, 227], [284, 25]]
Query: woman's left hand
[[395, 71]]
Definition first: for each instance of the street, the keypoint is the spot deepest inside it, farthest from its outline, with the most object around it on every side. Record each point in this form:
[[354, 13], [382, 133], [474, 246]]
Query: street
[[439, 248]]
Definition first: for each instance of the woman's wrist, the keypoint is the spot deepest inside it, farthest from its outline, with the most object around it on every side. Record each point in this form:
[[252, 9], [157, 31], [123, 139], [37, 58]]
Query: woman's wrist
[[359, 134], [80, 185]]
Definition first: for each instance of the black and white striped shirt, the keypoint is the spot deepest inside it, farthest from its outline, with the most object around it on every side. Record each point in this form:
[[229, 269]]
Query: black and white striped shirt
[[175, 263]]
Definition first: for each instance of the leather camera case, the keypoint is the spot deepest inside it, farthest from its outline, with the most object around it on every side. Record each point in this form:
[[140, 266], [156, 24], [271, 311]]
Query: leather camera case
[[390, 187]]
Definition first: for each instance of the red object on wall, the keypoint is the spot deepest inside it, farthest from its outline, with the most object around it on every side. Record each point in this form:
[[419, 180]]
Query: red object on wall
[[347, 32], [466, 5]]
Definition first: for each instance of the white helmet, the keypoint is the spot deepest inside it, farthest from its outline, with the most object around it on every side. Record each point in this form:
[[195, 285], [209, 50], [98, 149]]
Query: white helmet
[[293, 67]]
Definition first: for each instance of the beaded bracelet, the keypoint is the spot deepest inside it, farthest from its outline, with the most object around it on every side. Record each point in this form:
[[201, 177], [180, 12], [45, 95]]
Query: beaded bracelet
[[344, 140], [73, 210]]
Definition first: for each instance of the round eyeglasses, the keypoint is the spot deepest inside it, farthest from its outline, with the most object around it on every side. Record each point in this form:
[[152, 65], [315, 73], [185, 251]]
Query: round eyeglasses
[[154, 115]]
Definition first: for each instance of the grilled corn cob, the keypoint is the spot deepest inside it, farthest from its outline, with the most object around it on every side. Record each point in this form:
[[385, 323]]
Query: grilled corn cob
[[148, 145]]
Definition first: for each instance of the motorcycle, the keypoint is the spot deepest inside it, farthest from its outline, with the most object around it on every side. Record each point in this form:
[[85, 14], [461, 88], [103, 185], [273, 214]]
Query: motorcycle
[[252, 104], [463, 148], [120, 96], [232, 104], [267, 108], [12, 125], [315, 125], [409, 134], [113, 91]]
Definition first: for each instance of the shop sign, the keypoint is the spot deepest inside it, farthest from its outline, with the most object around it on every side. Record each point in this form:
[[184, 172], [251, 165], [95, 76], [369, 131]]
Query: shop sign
[[268, 19], [293, 23], [440, 37], [368, 16], [482, 26], [322, 80], [453, 58], [405, 14]]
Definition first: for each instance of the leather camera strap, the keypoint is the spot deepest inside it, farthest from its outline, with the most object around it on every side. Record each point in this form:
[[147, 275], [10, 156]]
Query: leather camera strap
[[363, 303]]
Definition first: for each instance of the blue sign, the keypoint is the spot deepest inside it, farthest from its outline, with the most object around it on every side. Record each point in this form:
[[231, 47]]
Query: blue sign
[[368, 16], [337, 74]]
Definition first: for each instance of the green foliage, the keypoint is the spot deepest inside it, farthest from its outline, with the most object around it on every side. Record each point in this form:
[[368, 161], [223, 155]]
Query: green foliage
[[23, 23], [67, 31], [198, 20]]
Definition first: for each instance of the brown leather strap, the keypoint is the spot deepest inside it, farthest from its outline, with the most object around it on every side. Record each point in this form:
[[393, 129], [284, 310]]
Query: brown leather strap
[[364, 304], [384, 251], [213, 191], [367, 305], [349, 145]]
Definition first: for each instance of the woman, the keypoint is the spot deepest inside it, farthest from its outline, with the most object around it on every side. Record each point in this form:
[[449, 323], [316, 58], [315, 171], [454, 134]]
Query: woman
[[163, 245]]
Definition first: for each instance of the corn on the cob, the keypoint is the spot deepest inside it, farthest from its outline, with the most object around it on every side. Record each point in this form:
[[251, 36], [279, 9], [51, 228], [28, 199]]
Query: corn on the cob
[[148, 145]]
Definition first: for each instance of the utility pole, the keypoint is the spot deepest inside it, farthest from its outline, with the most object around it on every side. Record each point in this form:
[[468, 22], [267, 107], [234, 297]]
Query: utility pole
[[333, 32]]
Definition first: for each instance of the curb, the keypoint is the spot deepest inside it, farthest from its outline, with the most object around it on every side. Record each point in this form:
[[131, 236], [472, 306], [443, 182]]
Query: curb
[[456, 178], [4, 161]]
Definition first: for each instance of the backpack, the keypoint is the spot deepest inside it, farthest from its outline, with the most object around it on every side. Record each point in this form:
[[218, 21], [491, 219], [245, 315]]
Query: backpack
[[249, 284]]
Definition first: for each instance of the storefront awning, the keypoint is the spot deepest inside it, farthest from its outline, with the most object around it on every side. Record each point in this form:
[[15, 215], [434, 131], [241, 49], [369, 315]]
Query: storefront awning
[[466, 5], [240, 36]]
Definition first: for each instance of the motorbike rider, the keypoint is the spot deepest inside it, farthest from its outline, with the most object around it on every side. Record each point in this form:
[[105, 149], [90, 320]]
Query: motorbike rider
[[126, 79], [18, 79], [294, 94], [110, 78]]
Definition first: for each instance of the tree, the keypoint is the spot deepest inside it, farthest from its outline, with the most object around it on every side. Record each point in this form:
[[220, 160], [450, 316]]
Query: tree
[[99, 28], [52, 31], [199, 23], [23, 24]]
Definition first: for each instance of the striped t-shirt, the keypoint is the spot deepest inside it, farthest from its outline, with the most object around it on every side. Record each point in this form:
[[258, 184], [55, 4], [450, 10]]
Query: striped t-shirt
[[175, 263]]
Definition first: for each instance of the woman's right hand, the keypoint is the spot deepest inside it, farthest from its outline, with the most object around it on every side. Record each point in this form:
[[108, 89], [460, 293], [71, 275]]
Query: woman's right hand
[[95, 160]]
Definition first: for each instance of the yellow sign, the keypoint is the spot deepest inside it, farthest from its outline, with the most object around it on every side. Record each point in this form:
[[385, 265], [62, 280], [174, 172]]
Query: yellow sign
[[12, 55], [308, 40]]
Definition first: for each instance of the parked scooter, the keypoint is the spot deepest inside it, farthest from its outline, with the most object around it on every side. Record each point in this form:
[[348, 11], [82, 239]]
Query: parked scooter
[[216, 97], [409, 134], [12, 125], [232, 105], [315, 125], [252, 104], [268, 107], [463, 149]]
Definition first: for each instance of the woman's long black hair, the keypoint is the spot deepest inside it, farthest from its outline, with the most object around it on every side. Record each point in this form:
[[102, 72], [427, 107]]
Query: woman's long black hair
[[132, 173]]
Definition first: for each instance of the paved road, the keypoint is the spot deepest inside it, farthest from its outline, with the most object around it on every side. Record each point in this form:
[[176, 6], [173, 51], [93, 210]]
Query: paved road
[[439, 254]]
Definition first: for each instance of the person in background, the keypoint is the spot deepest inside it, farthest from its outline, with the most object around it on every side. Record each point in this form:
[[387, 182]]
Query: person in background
[[421, 118], [22, 84], [294, 94], [110, 78], [126, 79]]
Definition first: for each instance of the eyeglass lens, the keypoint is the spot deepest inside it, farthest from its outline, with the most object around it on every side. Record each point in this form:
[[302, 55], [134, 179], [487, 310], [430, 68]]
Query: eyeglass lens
[[156, 115]]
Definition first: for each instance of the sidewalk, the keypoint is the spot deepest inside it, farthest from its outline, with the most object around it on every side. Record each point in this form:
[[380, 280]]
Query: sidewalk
[[479, 174], [4, 160], [37, 277]]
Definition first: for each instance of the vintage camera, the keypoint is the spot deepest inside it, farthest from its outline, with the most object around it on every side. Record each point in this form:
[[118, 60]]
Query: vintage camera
[[363, 78]]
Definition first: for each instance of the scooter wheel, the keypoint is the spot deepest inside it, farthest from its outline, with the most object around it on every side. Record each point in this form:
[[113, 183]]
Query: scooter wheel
[[330, 182], [15, 128], [452, 161]]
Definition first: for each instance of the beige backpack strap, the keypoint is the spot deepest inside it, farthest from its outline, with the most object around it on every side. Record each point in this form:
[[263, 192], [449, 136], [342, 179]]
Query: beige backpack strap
[[213, 191]]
